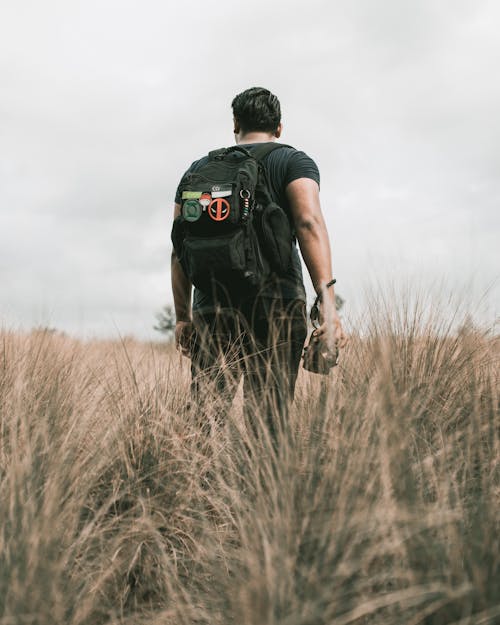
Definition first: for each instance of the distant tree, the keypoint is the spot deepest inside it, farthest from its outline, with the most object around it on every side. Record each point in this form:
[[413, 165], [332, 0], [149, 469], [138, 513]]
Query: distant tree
[[165, 321], [339, 301], [45, 330]]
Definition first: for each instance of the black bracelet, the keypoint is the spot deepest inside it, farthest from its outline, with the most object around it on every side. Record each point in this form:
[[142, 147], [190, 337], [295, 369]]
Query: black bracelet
[[314, 314], [327, 286]]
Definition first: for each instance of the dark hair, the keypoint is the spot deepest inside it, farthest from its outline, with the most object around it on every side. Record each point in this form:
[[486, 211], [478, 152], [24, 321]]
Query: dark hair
[[257, 109]]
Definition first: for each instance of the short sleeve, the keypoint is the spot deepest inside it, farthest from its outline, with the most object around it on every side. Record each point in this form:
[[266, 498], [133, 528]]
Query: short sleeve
[[301, 166]]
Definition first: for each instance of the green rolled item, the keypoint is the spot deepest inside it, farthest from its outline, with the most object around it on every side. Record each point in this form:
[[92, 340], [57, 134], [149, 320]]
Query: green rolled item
[[191, 195], [191, 210]]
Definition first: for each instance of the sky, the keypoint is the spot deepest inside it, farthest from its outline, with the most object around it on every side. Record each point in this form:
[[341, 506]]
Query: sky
[[105, 103]]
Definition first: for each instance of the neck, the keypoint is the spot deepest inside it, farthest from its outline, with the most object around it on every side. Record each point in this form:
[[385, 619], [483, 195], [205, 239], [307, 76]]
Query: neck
[[254, 137]]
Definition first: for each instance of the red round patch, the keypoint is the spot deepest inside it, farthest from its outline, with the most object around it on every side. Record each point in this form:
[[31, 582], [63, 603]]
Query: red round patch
[[219, 209]]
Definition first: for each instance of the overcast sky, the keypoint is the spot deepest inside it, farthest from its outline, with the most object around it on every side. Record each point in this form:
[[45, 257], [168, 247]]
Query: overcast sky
[[104, 103]]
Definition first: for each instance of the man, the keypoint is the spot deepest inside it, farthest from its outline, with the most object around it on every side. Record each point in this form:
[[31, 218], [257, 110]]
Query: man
[[260, 336]]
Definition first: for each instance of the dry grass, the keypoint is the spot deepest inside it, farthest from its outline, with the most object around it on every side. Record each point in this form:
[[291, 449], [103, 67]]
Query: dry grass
[[380, 507]]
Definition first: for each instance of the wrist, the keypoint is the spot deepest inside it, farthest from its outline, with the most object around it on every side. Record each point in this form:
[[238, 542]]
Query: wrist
[[183, 315], [324, 286], [182, 310]]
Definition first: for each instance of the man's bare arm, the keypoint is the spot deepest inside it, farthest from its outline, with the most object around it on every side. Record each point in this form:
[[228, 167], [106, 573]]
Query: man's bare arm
[[181, 286], [181, 289], [312, 235]]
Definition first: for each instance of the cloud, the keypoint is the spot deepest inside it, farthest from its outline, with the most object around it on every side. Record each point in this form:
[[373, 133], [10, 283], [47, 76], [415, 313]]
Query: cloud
[[104, 105]]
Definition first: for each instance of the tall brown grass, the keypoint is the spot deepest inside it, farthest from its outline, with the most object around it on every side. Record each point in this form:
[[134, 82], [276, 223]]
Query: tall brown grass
[[379, 506]]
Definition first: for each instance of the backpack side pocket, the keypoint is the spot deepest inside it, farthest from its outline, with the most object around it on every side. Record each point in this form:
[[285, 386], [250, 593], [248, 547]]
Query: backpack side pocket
[[277, 237]]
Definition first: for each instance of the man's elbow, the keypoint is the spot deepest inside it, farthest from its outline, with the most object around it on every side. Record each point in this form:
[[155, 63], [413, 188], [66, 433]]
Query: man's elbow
[[306, 225], [174, 260]]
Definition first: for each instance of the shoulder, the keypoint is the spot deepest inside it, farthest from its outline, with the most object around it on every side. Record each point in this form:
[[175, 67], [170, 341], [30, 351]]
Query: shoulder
[[294, 164]]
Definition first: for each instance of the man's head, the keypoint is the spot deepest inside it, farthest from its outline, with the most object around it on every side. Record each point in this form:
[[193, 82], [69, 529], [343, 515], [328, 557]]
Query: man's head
[[256, 110]]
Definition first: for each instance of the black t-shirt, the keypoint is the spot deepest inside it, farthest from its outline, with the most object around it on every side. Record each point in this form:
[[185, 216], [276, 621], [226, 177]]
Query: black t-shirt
[[283, 166]]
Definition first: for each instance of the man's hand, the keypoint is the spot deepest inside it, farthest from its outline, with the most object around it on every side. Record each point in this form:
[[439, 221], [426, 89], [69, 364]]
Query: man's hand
[[183, 337], [331, 331], [330, 327]]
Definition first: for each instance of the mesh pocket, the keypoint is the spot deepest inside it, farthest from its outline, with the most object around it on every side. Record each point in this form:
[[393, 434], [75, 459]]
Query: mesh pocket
[[221, 258]]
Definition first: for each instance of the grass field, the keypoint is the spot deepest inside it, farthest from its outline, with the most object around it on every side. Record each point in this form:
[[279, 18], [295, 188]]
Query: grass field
[[381, 505]]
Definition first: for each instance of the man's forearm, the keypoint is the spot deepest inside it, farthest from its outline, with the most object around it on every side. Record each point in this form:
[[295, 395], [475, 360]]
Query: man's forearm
[[315, 248], [310, 228], [181, 289], [312, 235]]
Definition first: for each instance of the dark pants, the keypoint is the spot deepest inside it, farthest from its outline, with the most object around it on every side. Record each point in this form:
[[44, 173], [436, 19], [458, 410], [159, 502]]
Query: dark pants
[[261, 340]]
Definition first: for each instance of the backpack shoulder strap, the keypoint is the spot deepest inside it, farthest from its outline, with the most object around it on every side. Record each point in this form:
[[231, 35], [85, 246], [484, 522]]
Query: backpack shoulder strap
[[259, 152], [216, 154]]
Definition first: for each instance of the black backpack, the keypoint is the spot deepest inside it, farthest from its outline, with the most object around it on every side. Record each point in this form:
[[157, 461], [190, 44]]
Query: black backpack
[[230, 235]]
